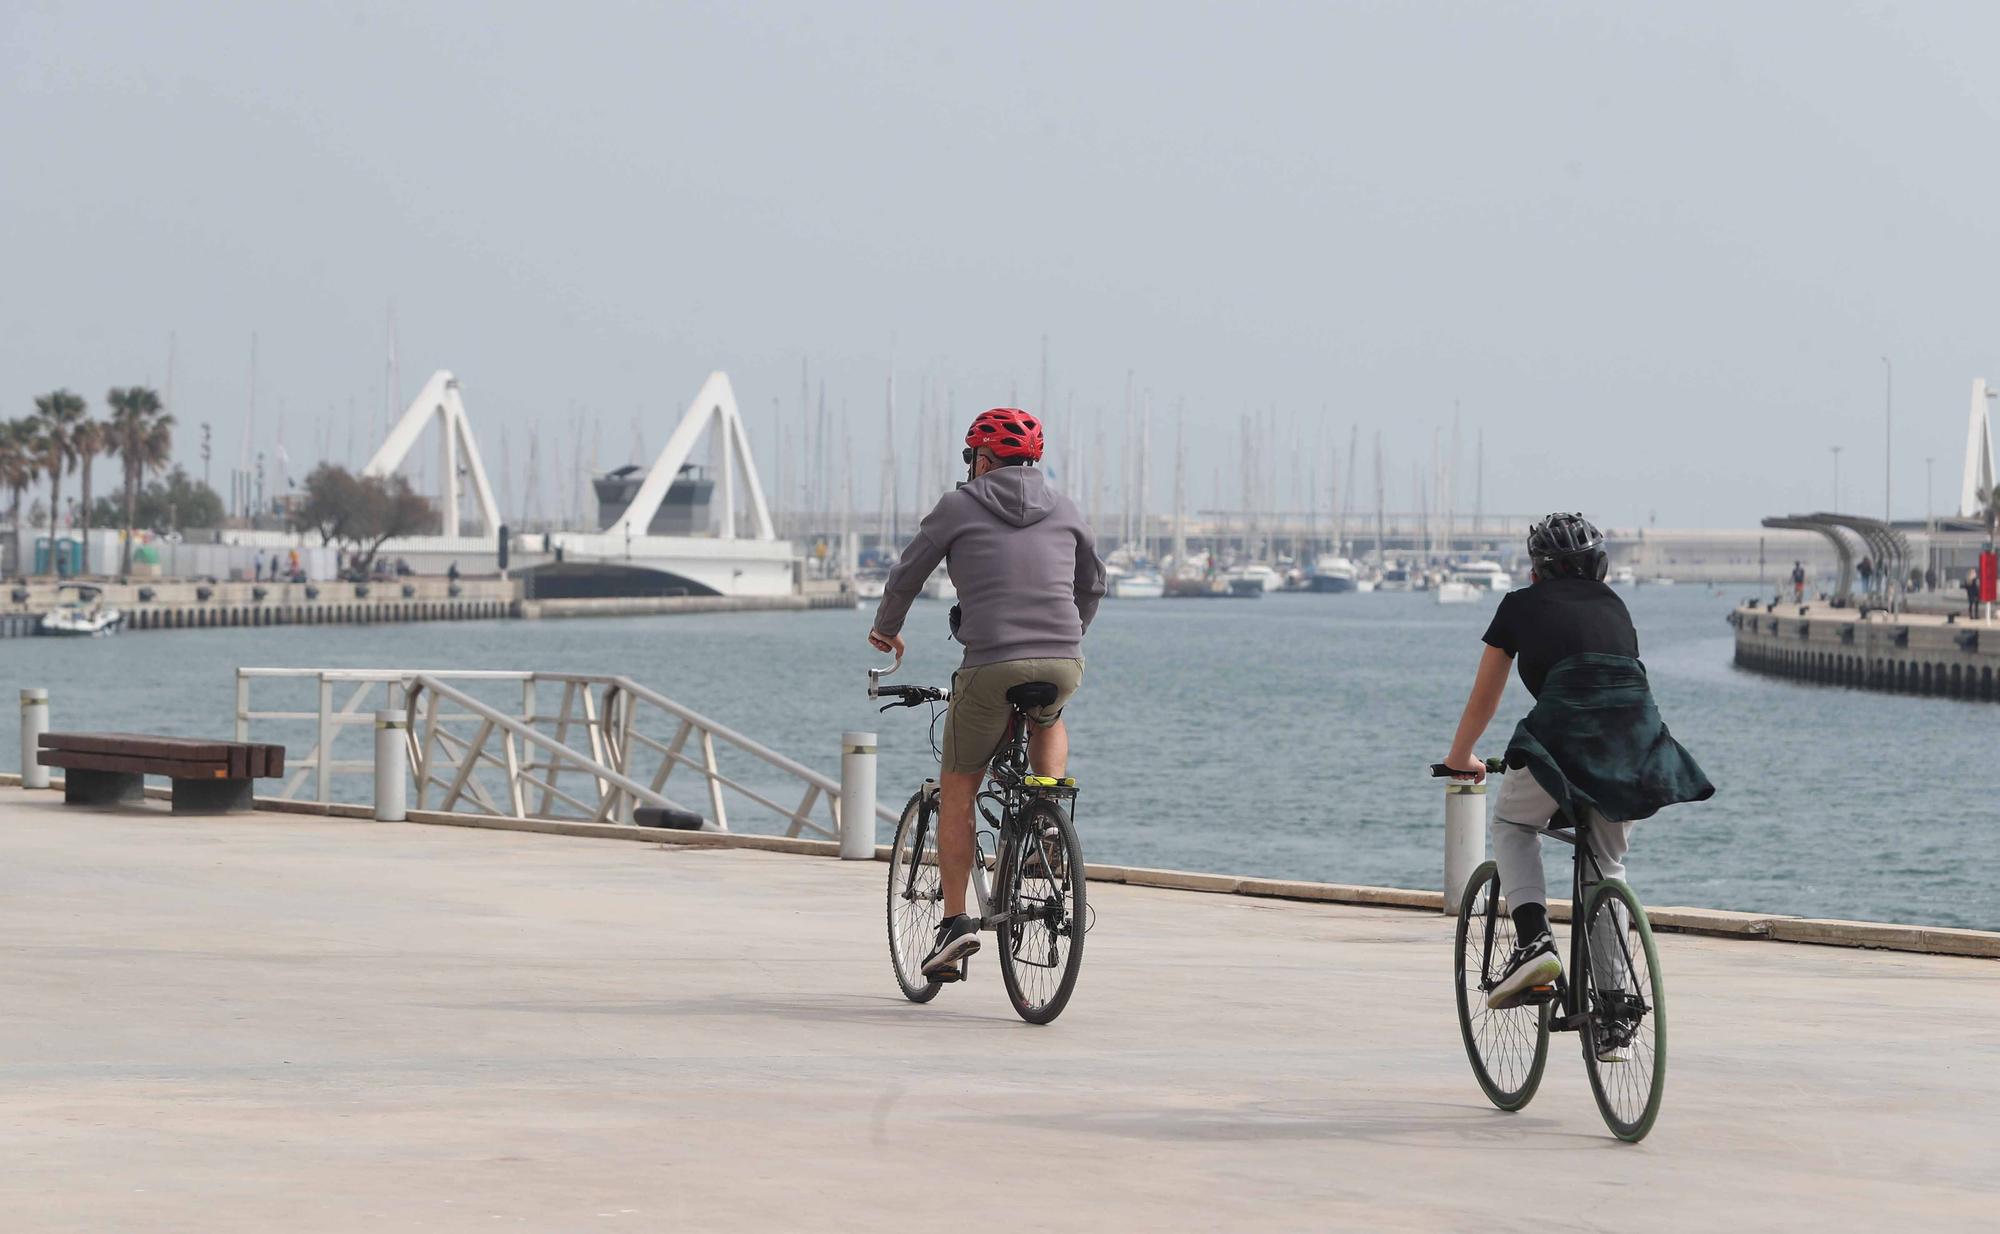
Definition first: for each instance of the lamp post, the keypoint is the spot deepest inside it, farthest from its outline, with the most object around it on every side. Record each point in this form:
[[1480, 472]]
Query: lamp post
[[1888, 412], [1930, 525], [1836, 477]]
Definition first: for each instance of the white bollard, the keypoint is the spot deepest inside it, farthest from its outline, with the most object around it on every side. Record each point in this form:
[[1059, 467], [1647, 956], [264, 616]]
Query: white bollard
[[1464, 837], [34, 722], [857, 796], [392, 761]]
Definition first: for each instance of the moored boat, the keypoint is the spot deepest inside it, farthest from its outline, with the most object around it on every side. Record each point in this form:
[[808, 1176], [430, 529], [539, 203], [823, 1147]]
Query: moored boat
[[1136, 585], [80, 612], [1332, 573]]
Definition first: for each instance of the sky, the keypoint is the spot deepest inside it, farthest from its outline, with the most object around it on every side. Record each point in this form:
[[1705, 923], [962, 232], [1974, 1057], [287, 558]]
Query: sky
[[1654, 256]]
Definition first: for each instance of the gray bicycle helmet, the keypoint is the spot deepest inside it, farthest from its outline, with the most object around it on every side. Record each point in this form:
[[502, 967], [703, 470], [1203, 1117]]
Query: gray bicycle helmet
[[1567, 546]]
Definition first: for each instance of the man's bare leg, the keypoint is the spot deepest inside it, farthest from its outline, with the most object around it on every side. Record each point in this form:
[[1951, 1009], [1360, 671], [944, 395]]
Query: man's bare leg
[[956, 789], [1048, 750]]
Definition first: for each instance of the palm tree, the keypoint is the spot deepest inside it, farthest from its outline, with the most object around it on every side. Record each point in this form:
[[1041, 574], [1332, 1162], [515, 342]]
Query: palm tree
[[91, 438], [59, 414], [18, 467], [142, 437]]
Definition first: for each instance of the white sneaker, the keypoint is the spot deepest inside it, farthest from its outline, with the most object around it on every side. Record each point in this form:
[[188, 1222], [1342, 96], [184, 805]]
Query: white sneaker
[[1534, 963]]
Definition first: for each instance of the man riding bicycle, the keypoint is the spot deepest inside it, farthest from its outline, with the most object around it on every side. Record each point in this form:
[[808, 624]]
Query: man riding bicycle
[[1597, 749], [1028, 579]]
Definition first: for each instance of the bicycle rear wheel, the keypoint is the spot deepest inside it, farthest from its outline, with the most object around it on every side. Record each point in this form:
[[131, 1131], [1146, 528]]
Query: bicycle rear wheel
[[916, 897], [1508, 1048], [1625, 1036], [1042, 897]]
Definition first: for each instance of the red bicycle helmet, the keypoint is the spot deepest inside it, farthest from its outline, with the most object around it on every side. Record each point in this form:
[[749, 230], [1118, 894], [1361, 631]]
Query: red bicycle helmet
[[1007, 431]]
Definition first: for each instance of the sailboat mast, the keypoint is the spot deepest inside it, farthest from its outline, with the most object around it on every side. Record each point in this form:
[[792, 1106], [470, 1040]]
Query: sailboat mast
[[1145, 469], [1381, 511], [887, 527], [1180, 489], [1479, 487]]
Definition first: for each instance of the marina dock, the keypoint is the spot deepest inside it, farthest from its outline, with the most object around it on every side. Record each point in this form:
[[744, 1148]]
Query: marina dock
[[186, 605], [328, 1024], [1906, 653]]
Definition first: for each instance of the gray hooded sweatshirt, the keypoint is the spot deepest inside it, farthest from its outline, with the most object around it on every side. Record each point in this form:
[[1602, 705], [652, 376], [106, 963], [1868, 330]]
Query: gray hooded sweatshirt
[[1023, 561]]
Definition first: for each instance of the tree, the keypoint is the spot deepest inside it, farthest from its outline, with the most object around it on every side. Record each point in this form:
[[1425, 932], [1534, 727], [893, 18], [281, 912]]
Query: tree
[[333, 501], [57, 415], [1989, 511], [362, 512], [91, 438], [169, 503], [19, 466], [142, 437]]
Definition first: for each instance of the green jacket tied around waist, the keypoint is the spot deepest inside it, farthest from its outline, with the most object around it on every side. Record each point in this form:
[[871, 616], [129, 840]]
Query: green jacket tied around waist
[[1595, 740]]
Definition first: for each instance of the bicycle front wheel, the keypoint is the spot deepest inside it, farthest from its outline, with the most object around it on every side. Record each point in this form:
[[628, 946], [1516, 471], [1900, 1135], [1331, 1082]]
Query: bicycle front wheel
[[1042, 898], [1510, 1047], [916, 897], [1625, 998]]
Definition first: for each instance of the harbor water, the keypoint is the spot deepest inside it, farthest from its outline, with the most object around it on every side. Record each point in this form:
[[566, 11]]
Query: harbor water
[[1287, 736]]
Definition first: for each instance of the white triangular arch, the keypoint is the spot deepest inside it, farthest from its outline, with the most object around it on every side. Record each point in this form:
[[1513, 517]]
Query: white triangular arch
[[714, 405], [1979, 471], [440, 400]]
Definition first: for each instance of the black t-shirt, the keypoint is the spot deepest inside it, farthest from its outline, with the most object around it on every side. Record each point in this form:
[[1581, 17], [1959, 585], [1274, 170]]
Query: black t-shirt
[[1557, 618]]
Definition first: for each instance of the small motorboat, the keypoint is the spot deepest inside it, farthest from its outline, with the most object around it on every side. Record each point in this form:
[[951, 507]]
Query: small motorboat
[[868, 584], [1266, 578], [1452, 591], [80, 612], [1333, 573], [1622, 577], [1136, 585], [1485, 575], [940, 587]]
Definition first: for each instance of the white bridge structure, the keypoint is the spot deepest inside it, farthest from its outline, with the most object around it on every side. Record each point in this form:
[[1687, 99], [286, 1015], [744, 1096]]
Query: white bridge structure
[[439, 402], [1979, 468], [622, 559]]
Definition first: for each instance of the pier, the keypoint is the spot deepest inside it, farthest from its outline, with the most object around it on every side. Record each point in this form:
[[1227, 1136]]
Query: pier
[[191, 605], [1905, 653], [322, 1023]]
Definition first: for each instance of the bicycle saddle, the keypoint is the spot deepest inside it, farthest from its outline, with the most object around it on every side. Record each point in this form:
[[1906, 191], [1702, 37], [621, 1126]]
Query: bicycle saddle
[[1031, 695]]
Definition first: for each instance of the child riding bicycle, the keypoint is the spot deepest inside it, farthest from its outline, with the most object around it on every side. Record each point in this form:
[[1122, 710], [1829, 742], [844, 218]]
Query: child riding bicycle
[[1596, 749]]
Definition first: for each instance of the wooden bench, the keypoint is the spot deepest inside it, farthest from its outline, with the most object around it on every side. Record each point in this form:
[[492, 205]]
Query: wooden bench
[[209, 777]]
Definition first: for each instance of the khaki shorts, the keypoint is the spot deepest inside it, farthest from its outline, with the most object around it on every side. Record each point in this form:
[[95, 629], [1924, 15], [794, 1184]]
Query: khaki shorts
[[977, 722]]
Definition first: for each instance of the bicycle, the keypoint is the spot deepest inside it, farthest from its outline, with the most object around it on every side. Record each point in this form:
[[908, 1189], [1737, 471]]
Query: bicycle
[[1617, 1005], [1035, 903]]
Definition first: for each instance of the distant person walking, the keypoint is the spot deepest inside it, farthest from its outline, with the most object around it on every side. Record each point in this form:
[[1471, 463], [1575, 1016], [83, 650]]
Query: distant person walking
[[1867, 572], [1972, 592], [1799, 582]]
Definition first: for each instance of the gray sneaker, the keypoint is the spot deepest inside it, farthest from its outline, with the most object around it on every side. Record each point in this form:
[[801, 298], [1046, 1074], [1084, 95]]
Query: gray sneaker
[[957, 938]]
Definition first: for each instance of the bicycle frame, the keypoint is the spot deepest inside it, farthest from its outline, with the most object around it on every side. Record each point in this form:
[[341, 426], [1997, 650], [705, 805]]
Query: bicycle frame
[[1007, 771], [1567, 995]]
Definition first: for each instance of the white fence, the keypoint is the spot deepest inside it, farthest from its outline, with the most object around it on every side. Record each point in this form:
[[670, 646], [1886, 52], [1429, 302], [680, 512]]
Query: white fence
[[490, 743]]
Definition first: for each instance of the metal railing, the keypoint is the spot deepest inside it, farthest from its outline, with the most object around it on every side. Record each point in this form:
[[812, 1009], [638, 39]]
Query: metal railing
[[481, 742]]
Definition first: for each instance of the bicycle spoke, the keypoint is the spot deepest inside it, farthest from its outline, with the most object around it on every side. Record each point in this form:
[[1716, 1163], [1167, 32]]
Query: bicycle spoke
[[1507, 1047]]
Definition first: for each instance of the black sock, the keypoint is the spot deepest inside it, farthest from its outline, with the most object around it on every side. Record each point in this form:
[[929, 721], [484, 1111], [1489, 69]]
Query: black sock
[[1530, 921]]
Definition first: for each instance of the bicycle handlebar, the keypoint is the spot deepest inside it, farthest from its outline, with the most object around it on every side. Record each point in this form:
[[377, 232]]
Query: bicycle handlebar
[[907, 696], [1494, 766]]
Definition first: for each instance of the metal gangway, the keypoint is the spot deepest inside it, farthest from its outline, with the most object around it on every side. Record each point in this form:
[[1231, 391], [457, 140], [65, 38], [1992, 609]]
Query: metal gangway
[[514, 744]]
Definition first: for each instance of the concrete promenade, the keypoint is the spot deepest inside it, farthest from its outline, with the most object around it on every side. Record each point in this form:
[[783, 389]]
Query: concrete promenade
[[314, 1024]]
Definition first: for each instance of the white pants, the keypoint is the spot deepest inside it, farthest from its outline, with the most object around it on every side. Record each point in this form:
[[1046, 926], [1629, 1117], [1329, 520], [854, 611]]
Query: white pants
[[1520, 814]]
